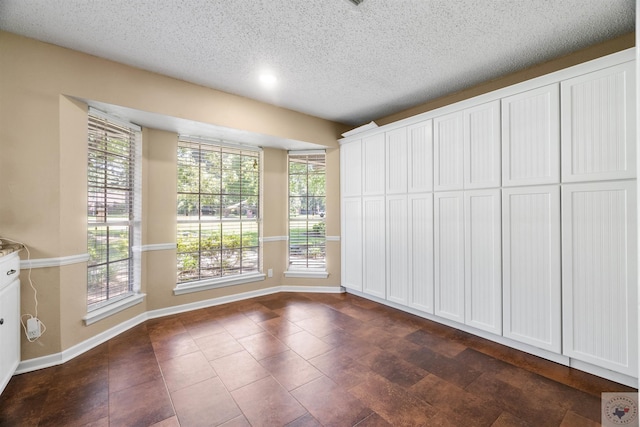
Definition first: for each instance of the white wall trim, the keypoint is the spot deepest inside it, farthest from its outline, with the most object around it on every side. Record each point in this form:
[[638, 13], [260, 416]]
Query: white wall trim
[[156, 247], [203, 285], [307, 274], [332, 238], [80, 348], [53, 262], [274, 239]]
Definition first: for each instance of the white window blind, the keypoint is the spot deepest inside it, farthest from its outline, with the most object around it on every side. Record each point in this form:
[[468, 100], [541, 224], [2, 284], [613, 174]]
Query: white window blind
[[217, 211], [307, 210], [113, 206]]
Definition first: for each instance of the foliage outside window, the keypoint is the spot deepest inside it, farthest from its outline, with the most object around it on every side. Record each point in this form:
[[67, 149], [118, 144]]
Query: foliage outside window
[[307, 242], [110, 210], [217, 211]]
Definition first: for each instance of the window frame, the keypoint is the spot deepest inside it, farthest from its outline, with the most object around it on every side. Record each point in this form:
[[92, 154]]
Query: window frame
[[312, 268], [214, 217], [114, 128]]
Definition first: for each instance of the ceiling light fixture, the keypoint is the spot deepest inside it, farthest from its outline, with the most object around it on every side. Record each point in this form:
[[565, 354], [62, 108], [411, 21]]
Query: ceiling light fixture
[[268, 80]]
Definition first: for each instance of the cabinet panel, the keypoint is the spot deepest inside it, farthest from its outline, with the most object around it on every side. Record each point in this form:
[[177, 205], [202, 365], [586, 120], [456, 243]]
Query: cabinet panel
[[530, 137], [448, 152], [449, 255], [483, 265], [420, 152], [352, 244], [373, 164], [351, 168], [482, 146], [421, 252], [531, 266], [397, 249], [374, 246], [9, 331], [599, 125], [396, 148], [599, 256]]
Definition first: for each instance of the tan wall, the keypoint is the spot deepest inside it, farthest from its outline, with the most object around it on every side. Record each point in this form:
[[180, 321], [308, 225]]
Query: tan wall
[[593, 52], [43, 172], [43, 133]]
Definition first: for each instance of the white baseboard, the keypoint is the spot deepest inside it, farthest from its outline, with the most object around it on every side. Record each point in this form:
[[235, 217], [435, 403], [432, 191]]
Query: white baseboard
[[80, 348]]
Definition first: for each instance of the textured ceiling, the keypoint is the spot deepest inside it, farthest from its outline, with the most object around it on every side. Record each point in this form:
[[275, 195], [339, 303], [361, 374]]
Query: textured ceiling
[[332, 59]]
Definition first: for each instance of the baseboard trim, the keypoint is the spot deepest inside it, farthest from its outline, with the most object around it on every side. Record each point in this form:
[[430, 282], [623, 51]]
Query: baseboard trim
[[80, 348]]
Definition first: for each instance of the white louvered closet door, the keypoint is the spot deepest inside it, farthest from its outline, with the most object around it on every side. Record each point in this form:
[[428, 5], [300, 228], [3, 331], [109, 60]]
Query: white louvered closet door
[[374, 259], [531, 137], [483, 271], [599, 125], [531, 266], [449, 255], [599, 274]]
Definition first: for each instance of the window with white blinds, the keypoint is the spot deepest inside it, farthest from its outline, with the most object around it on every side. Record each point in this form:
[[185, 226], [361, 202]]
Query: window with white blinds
[[307, 241], [217, 212], [111, 210]]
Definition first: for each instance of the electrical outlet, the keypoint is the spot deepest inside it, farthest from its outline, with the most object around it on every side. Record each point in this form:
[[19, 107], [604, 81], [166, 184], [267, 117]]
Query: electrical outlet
[[270, 272], [33, 328]]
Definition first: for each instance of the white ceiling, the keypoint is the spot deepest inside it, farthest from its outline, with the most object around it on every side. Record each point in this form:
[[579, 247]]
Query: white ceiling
[[332, 59]]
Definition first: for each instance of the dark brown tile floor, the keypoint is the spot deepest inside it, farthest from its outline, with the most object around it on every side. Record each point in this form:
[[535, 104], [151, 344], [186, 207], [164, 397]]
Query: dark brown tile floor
[[302, 360]]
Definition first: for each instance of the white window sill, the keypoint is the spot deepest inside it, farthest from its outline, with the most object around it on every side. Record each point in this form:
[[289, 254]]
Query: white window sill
[[110, 309], [307, 274], [203, 285]]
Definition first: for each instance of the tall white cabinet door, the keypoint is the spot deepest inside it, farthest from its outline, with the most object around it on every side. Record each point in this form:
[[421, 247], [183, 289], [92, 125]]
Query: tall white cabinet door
[[482, 146], [352, 244], [531, 266], [599, 258], [396, 158], [420, 237], [483, 265], [420, 152], [397, 249], [373, 164], [373, 209], [530, 137], [448, 161], [449, 255], [599, 125], [351, 168], [9, 331]]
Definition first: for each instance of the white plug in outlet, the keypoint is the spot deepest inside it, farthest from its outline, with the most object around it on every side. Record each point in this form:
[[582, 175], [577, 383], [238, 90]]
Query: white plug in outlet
[[270, 272], [33, 328]]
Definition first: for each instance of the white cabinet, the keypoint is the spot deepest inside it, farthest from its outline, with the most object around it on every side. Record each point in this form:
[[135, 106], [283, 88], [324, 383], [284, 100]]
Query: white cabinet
[[483, 272], [482, 146], [468, 276], [373, 165], [420, 153], [397, 249], [530, 137], [599, 274], [599, 125], [351, 239], [449, 255], [9, 317], [421, 255], [374, 247], [448, 149], [396, 161], [467, 148], [531, 266], [351, 169]]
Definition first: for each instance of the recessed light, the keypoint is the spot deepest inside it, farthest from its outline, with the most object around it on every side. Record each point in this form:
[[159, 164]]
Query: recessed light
[[268, 80]]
